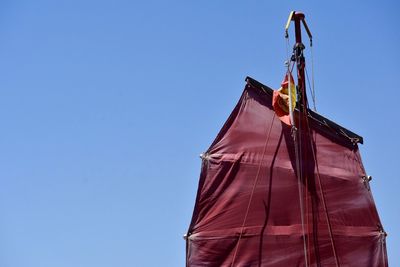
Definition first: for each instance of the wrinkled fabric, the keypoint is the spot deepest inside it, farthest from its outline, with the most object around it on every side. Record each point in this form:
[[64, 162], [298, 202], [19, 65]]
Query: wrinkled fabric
[[254, 149], [280, 99]]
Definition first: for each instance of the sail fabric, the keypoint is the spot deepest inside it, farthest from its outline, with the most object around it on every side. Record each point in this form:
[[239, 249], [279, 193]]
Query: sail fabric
[[247, 211], [280, 100]]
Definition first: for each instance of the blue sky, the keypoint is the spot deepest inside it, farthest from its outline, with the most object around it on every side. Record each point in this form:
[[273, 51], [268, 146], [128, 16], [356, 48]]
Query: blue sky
[[106, 105]]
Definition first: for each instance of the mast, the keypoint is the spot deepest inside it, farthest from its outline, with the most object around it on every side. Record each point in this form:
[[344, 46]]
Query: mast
[[298, 55], [300, 60]]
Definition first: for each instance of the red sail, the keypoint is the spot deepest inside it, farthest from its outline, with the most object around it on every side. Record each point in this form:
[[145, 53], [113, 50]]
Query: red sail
[[248, 212]]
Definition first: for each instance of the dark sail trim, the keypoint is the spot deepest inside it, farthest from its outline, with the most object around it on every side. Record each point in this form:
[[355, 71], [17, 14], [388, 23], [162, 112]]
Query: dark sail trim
[[328, 125]]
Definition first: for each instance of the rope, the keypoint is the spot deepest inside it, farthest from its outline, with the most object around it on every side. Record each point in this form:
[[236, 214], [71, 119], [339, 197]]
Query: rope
[[311, 90], [308, 245], [303, 111], [316, 161], [252, 192], [323, 201], [312, 77], [299, 175]]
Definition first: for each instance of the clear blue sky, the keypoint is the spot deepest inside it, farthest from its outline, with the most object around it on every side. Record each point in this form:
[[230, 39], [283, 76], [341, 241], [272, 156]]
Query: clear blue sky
[[106, 105]]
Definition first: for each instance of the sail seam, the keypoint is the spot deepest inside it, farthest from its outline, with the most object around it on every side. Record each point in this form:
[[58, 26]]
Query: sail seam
[[288, 230]]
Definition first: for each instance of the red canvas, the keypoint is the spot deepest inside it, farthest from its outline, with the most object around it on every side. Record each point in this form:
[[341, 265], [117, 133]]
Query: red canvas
[[248, 207]]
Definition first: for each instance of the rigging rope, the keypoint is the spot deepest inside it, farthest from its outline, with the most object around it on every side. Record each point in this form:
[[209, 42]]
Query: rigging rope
[[252, 192], [323, 199], [301, 196], [312, 89], [304, 195], [307, 133], [312, 78]]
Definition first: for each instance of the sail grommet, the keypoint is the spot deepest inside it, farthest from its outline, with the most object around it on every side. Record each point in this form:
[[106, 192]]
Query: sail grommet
[[204, 156], [354, 140], [366, 179], [382, 234]]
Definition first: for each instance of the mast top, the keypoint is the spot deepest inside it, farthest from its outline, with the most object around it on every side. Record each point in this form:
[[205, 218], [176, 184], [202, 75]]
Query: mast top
[[298, 57], [297, 17]]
